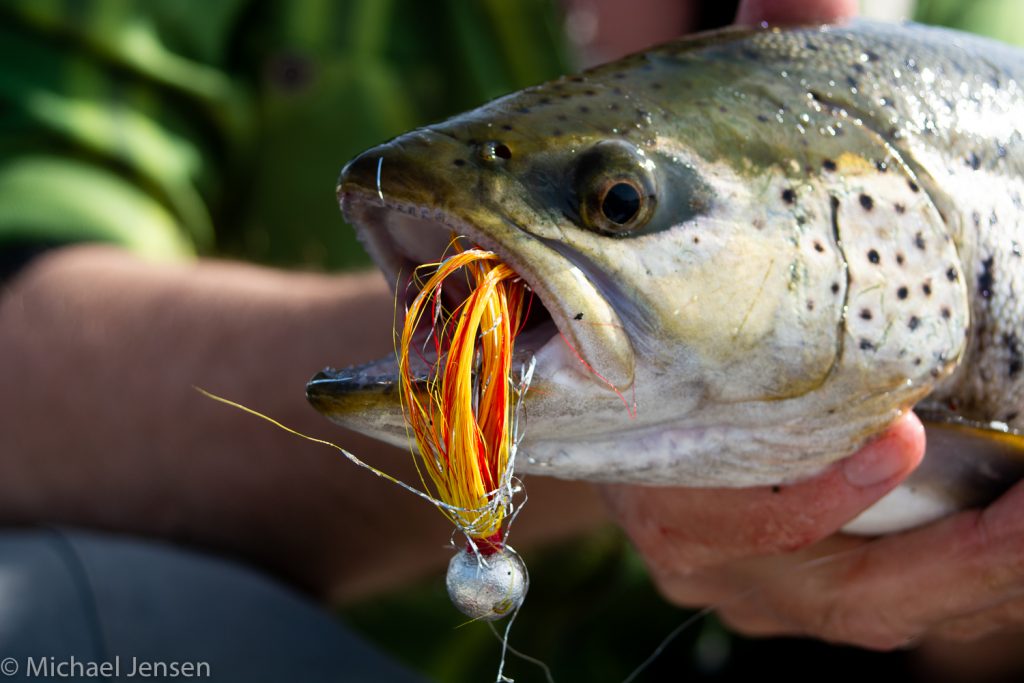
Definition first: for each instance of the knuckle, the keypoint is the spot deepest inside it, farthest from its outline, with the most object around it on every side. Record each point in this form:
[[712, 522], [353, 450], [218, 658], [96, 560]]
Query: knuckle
[[842, 621], [1000, 564], [787, 535]]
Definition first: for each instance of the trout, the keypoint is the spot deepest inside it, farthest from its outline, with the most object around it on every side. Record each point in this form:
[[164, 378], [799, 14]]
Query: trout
[[751, 250]]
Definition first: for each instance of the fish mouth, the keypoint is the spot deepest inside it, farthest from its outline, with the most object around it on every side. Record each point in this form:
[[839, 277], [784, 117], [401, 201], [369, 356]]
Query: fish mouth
[[571, 329]]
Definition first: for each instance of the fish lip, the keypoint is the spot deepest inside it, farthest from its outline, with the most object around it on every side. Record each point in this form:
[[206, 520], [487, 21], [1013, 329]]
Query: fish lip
[[365, 209]]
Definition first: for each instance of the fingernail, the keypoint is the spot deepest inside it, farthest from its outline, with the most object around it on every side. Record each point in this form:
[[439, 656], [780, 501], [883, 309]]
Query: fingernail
[[875, 464]]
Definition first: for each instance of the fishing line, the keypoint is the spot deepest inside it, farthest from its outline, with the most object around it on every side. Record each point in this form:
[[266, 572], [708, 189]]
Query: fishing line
[[811, 563], [521, 655]]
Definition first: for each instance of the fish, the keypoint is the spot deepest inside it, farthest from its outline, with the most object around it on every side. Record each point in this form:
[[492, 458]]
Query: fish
[[751, 251]]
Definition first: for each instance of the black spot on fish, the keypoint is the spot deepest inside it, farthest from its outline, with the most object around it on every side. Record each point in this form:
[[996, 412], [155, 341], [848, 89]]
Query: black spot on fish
[[523, 110], [557, 132], [1000, 151], [788, 196], [810, 305], [828, 165], [776, 489], [973, 161], [696, 240], [900, 209], [851, 81], [859, 68], [986, 279], [584, 109], [900, 258], [818, 247], [618, 75], [762, 118], [913, 186], [656, 86], [873, 256], [951, 274], [589, 93], [578, 316], [913, 323], [946, 313], [459, 162], [917, 361], [919, 241], [881, 166], [722, 109], [865, 314], [835, 287], [614, 106], [866, 345], [993, 219], [544, 100], [1016, 354], [902, 292], [576, 79], [867, 202], [927, 288], [506, 126]]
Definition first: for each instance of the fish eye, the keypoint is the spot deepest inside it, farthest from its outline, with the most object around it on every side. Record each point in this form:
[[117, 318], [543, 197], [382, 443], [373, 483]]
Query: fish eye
[[615, 188], [621, 202]]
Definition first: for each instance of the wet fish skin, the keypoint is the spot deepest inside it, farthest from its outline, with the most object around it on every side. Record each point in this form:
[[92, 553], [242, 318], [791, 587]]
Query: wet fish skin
[[833, 236]]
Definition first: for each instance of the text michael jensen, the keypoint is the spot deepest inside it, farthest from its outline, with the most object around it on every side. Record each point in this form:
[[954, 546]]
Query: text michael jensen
[[52, 667]]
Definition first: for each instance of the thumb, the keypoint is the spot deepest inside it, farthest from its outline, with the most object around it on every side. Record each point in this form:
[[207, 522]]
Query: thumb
[[680, 530]]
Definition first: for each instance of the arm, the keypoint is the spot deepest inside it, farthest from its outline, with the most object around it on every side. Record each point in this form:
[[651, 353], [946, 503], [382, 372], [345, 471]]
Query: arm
[[99, 351]]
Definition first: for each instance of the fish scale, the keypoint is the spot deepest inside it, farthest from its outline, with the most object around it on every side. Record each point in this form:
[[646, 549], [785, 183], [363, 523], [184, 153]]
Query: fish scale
[[815, 229]]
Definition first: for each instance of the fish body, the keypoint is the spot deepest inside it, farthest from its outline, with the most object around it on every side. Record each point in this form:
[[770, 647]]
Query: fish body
[[756, 248]]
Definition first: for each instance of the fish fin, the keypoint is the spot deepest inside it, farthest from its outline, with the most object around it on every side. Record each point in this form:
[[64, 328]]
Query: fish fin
[[968, 463]]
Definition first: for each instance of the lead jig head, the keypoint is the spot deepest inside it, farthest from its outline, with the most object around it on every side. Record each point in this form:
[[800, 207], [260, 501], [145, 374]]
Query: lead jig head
[[487, 587]]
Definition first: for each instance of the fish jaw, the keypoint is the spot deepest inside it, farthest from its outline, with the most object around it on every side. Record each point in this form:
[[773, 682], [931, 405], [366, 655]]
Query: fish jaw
[[404, 213]]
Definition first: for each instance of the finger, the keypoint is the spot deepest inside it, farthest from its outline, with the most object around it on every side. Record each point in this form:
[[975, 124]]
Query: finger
[[754, 620], [681, 530], [752, 12], [897, 587], [1003, 618]]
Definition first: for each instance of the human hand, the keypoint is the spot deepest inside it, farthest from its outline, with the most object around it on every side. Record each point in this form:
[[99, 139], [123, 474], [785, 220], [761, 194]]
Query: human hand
[[750, 552], [753, 554]]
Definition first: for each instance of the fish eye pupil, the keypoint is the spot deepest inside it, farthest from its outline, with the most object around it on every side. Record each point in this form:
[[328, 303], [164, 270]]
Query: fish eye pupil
[[621, 203]]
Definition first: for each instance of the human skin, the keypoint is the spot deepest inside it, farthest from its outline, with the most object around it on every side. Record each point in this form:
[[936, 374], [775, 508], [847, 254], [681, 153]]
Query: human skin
[[99, 352], [773, 561]]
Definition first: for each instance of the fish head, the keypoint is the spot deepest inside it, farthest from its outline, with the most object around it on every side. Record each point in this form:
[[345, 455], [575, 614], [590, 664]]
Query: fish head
[[691, 266]]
